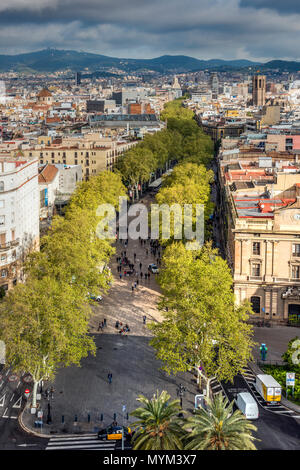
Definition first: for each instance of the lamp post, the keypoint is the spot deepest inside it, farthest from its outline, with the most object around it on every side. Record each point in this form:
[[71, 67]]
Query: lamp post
[[180, 392], [123, 411]]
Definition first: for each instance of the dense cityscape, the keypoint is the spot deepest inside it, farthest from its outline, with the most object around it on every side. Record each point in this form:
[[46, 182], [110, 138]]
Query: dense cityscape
[[150, 255]]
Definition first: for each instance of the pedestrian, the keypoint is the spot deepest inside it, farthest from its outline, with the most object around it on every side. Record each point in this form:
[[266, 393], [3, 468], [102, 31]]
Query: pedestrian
[[141, 275], [99, 326], [141, 265], [104, 322], [120, 276], [109, 376], [146, 252], [135, 285], [134, 255], [137, 282], [144, 319], [117, 324], [132, 287]]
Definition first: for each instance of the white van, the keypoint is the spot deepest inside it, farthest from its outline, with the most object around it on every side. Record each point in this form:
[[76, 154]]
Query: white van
[[248, 406]]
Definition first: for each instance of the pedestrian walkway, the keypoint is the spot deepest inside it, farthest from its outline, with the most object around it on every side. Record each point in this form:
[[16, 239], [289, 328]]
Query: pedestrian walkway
[[88, 442], [123, 302]]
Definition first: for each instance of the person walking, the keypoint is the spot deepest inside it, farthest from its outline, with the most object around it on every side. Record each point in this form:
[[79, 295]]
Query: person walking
[[144, 319], [141, 265], [109, 376], [132, 288], [120, 276], [104, 322]]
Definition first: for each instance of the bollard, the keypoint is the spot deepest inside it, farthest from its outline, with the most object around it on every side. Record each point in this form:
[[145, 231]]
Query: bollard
[[75, 419], [89, 418], [101, 417], [115, 417], [62, 419], [127, 416]]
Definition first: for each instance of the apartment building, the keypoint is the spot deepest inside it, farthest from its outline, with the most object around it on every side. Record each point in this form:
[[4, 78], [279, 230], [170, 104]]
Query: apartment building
[[19, 216], [94, 156], [259, 212]]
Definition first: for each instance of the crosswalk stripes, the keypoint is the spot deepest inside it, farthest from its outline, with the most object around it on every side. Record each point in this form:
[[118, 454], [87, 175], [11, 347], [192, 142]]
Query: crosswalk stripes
[[88, 442]]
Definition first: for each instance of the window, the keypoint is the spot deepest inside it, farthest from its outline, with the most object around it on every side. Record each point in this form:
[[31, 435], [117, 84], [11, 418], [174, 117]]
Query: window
[[295, 272], [256, 269], [1, 185], [296, 249], [1, 204], [256, 248], [255, 304]]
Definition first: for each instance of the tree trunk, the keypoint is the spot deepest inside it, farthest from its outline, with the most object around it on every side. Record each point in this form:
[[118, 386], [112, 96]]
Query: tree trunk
[[34, 392]]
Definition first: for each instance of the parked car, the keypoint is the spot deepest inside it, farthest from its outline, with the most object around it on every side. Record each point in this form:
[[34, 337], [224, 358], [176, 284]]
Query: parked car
[[153, 268], [114, 433]]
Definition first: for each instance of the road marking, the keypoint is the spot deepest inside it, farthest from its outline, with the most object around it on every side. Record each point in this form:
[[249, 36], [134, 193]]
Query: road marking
[[18, 403], [3, 416], [77, 438], [12, 397], [2, 400], [83, 442], [19, 383]]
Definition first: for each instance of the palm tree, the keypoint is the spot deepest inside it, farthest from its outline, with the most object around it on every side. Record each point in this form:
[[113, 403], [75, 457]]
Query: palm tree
[[157, 427], [217, 428]]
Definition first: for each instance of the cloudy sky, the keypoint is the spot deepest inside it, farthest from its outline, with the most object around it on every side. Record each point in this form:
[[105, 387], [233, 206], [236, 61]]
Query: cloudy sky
[[223, 29]]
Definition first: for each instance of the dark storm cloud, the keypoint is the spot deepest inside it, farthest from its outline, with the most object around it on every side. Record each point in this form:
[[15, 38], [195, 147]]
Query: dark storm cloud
[[149, 28], [286, 6]]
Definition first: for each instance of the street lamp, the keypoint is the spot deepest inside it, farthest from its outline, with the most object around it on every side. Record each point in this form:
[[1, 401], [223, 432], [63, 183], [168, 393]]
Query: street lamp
[[180, 392], [123, 411]]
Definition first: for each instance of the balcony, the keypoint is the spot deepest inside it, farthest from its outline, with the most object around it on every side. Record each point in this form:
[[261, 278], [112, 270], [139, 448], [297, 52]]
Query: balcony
[[8, 245]]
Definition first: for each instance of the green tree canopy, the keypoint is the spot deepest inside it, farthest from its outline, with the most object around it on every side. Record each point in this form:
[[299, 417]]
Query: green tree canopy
[[219, 428], [157, 426], [202, 327]]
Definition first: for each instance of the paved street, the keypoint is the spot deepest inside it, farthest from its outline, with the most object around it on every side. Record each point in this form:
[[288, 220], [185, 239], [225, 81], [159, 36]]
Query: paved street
[[276, 338], [83, 394], [86, 391], [121, 303]]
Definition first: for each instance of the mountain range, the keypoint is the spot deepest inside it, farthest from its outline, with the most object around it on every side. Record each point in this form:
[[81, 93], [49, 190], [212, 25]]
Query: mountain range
[[52, 60]]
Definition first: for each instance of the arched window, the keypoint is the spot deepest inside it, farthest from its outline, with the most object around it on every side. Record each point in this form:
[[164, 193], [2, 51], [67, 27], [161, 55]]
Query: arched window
[[255, 303]]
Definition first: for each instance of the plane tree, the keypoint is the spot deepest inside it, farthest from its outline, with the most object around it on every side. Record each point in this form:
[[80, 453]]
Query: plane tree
[[202, 327], [43, 324]]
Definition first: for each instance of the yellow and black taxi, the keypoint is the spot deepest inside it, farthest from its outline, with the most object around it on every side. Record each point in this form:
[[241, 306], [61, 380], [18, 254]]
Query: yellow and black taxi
[[114, 433]]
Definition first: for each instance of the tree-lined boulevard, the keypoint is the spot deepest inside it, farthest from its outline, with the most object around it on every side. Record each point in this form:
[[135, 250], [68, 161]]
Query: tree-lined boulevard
[[195, 330]]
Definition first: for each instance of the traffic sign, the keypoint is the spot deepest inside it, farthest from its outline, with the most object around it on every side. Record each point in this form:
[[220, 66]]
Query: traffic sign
[[27, 393], [290, 379]]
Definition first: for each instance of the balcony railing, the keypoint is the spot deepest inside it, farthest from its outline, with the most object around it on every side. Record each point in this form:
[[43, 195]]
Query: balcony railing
[[7, 245]]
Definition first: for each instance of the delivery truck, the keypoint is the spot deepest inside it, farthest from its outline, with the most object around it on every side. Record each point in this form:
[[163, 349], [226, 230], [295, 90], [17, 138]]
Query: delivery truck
[[268, 388], [247, 405]]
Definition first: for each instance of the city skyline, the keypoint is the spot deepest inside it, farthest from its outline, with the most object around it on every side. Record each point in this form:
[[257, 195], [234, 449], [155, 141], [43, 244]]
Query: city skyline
[[219, 29]]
